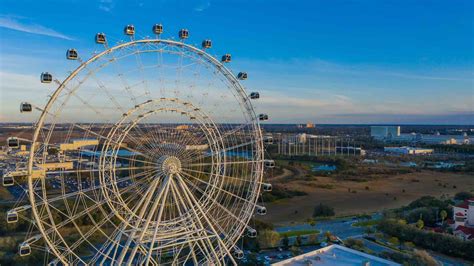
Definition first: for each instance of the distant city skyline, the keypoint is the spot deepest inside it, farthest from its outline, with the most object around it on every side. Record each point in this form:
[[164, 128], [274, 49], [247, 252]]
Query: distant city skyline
[[326, 62]]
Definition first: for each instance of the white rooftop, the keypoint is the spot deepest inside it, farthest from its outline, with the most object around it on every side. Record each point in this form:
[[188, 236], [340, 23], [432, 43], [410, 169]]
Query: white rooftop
[[338, 256]]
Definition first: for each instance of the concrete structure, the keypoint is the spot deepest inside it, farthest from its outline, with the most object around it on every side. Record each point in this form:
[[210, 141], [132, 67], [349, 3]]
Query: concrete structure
[[315, 145], [383, 132], [76, 144], [407, 150], [463, 216], [335, 255]]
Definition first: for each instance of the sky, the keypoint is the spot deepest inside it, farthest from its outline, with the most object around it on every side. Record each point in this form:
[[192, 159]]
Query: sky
[[331, 62]]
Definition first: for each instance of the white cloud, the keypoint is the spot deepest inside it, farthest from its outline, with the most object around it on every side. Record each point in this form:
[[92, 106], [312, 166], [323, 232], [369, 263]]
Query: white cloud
[[12, 23], [106, 5], [202, 6]]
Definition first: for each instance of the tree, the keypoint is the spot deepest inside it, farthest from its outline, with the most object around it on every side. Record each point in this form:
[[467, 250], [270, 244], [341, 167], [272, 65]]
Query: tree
[[463, 195], [298, 241], [394, 241], [295, 251], [369, 230], [323, 210], [312, 222], [420, 224], [443, 215], [285, 242], [268, 238], [328, 236], [424, 258], [312, 239]]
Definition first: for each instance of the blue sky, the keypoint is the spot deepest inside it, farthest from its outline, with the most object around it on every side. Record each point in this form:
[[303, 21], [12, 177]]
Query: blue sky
[[320, 61]]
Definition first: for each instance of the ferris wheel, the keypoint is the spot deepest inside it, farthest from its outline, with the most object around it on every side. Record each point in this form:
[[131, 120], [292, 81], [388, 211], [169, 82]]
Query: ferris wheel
[[149, 152]]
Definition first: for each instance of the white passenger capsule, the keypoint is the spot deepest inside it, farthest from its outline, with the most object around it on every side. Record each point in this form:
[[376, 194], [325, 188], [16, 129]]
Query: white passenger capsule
[[158, 29], [267, 187], [183, 34], [269, 163], [261, 210], [129, 30], [24, 249], [25, 107], [71, 54], [242, 75], [254, 95], [206, 44], [226, 58], [100, 38], [46, 77]]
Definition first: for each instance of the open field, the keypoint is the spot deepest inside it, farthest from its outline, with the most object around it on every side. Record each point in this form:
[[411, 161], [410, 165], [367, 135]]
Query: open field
[[370, 196]]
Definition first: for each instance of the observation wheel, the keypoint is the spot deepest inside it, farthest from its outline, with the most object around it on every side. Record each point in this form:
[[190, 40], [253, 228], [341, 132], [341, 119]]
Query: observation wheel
[[149, 152]]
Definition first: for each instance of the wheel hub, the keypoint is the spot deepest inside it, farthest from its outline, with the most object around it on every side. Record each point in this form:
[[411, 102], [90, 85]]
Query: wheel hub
[[169, 165]]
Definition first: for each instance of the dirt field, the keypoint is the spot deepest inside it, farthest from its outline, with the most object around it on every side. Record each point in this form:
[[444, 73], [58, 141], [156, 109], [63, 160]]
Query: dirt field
[[381, 194]]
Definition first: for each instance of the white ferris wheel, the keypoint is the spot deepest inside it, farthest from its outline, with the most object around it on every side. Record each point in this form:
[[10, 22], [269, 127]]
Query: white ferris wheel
[[149, 152]]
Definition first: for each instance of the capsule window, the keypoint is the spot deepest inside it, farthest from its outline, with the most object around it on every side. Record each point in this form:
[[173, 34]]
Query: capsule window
[[269, 163], [261, 210], [252, 233], [8, 181], [263, 117]]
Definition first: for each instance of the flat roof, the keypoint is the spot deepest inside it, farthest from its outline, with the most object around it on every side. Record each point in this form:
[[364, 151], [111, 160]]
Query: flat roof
[[336, 255]]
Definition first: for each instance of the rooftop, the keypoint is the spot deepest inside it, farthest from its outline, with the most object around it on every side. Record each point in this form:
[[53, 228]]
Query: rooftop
[[336, 255]]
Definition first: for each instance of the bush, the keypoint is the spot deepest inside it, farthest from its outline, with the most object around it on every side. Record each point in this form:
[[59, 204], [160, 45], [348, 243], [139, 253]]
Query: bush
[[463, 195], [444, 243], [323, 210]]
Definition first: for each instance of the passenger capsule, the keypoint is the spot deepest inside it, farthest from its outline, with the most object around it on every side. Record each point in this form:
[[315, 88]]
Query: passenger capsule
[[100, 38], [254, 95], [261, 210], [25, 107], [268, 140], [267, 187], [226, 58], [158, 29], [239, 254], [206, 44], [25, 249], [12, 217], [252, 233], [269, 163], [8, 180], [13, 142], [71, 54], [129, 30], [183, 34], [262, 117], [192, 117], [242, 76], [46, 77]]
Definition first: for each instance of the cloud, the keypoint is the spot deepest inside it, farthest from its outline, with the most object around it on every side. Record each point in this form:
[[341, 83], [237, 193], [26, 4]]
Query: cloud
[[10, 22], [202, 6], [106, 5]]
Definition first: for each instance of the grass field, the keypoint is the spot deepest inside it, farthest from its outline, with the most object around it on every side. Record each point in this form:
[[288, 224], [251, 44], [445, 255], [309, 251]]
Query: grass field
[[299, 233], [352, 198]]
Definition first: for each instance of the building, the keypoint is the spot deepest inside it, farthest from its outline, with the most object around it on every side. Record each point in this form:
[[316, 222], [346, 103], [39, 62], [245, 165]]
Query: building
[[77, 144], [315, 145], [392, 134], [335, 255], [463, 216], [407, 150], [384, 132]]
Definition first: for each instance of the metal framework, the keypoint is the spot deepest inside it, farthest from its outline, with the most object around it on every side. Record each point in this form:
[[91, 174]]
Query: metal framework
[[168, 158]]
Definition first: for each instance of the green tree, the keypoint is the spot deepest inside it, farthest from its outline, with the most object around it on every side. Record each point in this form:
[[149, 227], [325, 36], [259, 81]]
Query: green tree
[[420, 224], [295, 251], [285, 242], [443, 215], [268, 238], [298, 241]]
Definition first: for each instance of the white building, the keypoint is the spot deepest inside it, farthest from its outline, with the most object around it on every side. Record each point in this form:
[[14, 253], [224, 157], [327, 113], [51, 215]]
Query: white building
[[463, 220], [407, 150], [335, 255]]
